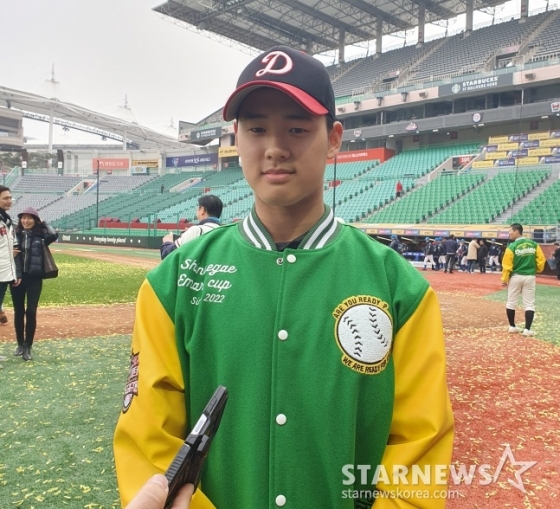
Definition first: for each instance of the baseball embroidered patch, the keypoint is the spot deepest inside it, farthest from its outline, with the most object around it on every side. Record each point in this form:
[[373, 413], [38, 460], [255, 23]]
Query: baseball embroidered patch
[[131, 388], [364, 332]]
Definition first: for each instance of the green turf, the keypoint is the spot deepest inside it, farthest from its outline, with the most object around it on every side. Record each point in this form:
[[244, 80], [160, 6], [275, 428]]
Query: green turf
[[547, 318], [86, 281], [57, 417]]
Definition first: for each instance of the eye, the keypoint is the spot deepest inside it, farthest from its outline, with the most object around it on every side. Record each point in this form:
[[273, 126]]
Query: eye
[[298, 130], [257, 130]]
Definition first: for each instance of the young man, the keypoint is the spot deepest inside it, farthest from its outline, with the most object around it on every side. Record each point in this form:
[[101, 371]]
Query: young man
[[208, 213], [329, 365], [7, 242], [523, 259]]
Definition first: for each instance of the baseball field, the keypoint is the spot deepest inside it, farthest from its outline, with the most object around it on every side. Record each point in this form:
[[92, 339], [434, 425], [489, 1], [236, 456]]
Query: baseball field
[[58, 412]]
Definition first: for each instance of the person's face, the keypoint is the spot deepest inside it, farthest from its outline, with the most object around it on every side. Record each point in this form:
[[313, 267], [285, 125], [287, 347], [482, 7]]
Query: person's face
[[513, 234], [27, 221], [284, 149], [6, 200]]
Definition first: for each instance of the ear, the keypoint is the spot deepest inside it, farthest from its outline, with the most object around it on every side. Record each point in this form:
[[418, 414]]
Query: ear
[[335, 140]]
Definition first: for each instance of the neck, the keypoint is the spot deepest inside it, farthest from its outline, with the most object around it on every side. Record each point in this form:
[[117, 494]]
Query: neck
[[288, 223]]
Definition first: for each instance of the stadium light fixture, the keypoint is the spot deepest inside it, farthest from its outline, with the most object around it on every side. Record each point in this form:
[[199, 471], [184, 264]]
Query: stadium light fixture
[[435, 130], [357, 105], [544, 117]]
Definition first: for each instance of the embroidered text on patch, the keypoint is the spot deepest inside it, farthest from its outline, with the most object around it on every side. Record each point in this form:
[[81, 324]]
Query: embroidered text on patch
[[131, 388]]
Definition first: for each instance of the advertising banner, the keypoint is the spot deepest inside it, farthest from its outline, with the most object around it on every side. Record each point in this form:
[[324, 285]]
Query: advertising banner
[[530, 144], [148, 163], [206, 134], [498, 139], [526, 161], [474, 85], [540, 152], [508, 146], [191, 160], [505, 162], [550, 160], [382, 154], [540, 136], [227, 151], [110, 164], [518, 153], [483, 164], [496, 155], [550, 143]]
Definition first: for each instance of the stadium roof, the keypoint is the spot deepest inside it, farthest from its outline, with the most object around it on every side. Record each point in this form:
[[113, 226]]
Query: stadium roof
[[71, 116], [314, 26]]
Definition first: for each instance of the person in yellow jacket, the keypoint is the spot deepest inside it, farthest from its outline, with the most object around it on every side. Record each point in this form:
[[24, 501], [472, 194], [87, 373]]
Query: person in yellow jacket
[[523, 259], [330, 344]]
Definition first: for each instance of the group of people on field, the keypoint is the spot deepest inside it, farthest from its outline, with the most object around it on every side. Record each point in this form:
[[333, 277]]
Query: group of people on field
[[450, 254], [22, 245]]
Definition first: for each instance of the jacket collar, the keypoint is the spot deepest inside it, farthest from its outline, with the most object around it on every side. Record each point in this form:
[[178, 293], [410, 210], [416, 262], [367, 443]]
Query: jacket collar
[[321, 234]]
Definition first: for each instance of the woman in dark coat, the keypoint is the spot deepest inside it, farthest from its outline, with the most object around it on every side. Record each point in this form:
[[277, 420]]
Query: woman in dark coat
[[32, 234]]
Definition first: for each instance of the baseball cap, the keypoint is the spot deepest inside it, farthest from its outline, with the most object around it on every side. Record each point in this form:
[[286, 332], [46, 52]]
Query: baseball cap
[[298, 75]]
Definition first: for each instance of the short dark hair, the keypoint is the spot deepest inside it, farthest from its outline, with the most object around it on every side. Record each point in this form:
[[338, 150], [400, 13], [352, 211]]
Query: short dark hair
[[4, 188], [212, 204], [516, 227]]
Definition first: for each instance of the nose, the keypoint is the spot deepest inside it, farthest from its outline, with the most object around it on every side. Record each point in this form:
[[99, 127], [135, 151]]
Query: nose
[[276, 150]]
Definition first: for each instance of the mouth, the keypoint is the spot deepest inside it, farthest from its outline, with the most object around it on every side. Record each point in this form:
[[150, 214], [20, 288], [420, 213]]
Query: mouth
[[277, 175]]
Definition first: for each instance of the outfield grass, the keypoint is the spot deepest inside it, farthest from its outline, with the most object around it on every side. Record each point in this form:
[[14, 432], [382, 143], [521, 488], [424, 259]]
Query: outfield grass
[[547, 318], [88, 281], [57, 417]]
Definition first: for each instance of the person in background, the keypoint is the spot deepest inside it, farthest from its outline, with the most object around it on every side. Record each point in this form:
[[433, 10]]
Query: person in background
[[32, 234], [472, 255], [556, 256], [494, 256], [462, 255], [482, 255], [7, 245], [451, 247], [394, 244], [208, 213], [523, 259], [428, 254], [399, 189]]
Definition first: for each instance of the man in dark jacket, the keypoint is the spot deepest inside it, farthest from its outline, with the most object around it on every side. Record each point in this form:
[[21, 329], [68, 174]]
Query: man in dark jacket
[[482, 255], [451, 246]]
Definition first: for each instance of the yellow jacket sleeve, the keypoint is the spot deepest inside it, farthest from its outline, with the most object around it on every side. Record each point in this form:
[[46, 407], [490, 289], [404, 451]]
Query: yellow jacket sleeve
[[421, 435], [151, 429], [507, 265], [541, 259]]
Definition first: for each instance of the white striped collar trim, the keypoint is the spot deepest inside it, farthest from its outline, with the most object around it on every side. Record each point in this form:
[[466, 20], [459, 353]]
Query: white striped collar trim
[[320, 235]]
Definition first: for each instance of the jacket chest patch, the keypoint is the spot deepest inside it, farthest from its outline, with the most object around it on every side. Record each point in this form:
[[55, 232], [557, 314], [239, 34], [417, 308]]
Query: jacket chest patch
[[364, 333]]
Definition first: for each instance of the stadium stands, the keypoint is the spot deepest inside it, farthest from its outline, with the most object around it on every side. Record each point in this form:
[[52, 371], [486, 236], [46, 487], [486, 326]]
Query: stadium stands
[[427, 200], [469, 53], [547, 43], [489, 200], [544, 209]]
